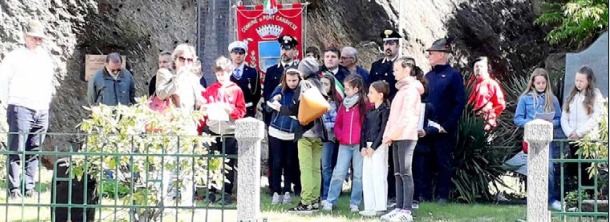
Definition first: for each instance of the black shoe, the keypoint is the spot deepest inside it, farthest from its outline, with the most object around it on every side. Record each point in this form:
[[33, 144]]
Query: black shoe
[[211, 198], [316, 205], [226, 201], [15, 194], [303, 209], [391, 203], [30, 193]]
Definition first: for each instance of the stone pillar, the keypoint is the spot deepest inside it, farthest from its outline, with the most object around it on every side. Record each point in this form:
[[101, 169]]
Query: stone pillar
[[538, 134], [249, 133]]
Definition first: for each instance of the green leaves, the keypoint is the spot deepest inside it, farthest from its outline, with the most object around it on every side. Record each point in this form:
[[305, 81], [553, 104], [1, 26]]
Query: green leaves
[[574, 22], [120, 140]]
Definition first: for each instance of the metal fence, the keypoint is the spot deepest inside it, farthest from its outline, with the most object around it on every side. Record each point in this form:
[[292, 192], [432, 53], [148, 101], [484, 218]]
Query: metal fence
[[135, 183], [572, 189]]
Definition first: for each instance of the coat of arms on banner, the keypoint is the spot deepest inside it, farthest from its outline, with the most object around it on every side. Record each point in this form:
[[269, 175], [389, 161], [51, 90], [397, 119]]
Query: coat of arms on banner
[[264, 24]]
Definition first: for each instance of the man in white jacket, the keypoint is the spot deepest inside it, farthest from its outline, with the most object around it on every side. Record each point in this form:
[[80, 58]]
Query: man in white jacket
[[26, 89]]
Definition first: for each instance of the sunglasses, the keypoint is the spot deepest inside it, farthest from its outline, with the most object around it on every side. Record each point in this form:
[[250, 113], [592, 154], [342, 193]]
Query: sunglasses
[[182, 59], [238, 51]]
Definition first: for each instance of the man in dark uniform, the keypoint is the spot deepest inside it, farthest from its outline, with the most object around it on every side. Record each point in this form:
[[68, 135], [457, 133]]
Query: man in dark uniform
[[245, 77], [274, 73], [446, 93], [272, 80], [383, 69]]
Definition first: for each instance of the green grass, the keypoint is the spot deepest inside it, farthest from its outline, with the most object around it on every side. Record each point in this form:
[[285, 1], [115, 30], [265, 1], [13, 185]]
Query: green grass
[[427, 212]]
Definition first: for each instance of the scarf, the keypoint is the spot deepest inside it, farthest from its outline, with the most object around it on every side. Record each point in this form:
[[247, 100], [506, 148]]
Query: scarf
[[349, 102]]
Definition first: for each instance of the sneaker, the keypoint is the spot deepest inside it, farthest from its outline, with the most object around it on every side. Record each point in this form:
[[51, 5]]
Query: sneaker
[[276, 199], [354, 208], [555, 205], [287, 198], [327, 206], [391, 203], [369, 213], [211, 198], [415, 205], [302, 209], [15, 194], [227, 201], [30, 193], [316, 206], [390, 214], [402, 216]]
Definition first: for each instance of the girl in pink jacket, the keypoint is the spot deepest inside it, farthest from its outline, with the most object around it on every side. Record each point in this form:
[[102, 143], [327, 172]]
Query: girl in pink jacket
[[347, 131], [401, 132]]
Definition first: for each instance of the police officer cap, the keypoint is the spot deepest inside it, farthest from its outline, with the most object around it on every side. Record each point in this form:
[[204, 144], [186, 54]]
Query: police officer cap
[[238, 46], [390, 35], [287, 41], [442, 45]]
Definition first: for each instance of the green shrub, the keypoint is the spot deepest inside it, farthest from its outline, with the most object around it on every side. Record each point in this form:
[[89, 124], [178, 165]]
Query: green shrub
[[114, 132], [574, 22]]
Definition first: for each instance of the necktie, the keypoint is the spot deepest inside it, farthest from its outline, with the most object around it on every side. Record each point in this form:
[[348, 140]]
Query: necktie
[[237, 73]]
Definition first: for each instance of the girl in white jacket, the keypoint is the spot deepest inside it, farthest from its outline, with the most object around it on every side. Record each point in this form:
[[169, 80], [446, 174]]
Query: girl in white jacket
[[582, 108], [581, 114]]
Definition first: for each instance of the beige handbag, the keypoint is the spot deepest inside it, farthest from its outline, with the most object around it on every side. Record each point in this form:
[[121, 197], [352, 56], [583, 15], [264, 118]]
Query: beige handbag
[[312, 104]]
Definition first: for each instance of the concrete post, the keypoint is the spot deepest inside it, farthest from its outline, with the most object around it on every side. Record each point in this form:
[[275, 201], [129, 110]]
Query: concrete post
[[249, 133], [538, 134]]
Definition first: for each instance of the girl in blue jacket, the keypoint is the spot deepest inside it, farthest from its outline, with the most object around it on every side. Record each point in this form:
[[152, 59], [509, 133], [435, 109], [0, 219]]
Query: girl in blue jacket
[[538, 98], [283, 155]]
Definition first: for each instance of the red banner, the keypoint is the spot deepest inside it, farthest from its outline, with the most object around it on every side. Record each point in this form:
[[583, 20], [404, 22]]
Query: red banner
[[262, 26]]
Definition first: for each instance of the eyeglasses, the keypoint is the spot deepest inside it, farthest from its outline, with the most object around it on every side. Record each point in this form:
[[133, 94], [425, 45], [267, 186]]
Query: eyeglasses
[[345, 58], [115, 70], [182, 59]]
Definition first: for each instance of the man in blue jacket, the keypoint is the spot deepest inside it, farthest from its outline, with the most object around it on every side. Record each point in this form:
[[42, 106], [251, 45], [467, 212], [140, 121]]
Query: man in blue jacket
[[446, 93], [112, 85]]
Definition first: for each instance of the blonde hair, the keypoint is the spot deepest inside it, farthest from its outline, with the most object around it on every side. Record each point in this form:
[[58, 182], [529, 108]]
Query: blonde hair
[[180, 50], [548, 92], [222, 64]]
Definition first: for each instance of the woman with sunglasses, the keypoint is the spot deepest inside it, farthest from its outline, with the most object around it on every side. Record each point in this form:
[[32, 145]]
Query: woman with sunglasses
[[181, 86]]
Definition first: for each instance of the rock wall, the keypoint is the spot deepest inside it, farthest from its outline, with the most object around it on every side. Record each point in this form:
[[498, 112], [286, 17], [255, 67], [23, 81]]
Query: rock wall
[[138, 29], [500, 29]]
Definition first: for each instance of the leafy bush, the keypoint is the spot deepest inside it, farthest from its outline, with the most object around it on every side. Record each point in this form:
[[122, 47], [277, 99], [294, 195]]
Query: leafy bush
[[114, 189], [574, 22], [115, 132]]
